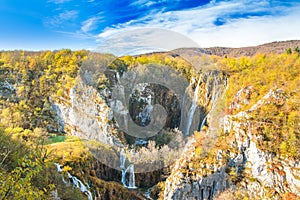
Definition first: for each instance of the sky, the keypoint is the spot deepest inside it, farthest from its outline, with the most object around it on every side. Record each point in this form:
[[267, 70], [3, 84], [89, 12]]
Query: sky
[[101, 24]]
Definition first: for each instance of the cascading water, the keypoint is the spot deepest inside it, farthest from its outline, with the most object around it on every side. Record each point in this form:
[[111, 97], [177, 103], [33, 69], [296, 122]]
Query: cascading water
[[58, 167], [214, 82], [131, 182], [192, 108], [147, 193], [145, 115], [76, 182], [122, 166], [213, 99], [130, 169]]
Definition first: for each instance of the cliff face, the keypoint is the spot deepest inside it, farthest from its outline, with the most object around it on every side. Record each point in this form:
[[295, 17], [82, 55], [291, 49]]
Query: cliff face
[[85, 114], [240, 166]]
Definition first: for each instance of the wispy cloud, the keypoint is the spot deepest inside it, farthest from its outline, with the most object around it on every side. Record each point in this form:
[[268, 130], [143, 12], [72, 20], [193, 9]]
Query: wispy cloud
[[61, 18], [146, 3], [241, 23], [136, 41], [90, 24], [58, 1]]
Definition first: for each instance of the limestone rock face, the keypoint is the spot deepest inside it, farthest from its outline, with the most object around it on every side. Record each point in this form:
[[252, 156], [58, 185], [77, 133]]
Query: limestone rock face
[[85, 114], [261, 174]]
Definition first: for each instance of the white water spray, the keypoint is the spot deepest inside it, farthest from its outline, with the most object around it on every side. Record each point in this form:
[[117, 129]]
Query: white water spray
[[131, 181], [129, 169], [192, 108], [213, 100], [76, 182]]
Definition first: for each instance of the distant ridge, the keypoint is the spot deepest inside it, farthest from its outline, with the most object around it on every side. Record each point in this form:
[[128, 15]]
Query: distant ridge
[[273, 47]]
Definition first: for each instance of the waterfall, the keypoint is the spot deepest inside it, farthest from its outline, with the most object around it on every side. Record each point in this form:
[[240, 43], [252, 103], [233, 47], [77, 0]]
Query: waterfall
[[130, 169], [147, 193], [211, 99], [192, 108], [58, 167], [202, 123], [122, 158], [76, 182], [214, 83], [122, 166], [131, 182], [145, 115]]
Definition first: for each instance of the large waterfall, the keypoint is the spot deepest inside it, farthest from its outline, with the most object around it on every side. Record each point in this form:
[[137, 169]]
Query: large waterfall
[[76, 182], [129, 169], [209, 86], [192, 108], [213, 92]]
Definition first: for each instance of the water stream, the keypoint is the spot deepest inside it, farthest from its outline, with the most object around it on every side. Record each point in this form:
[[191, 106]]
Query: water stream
[[76, 182], [129, 169], [192, 108]]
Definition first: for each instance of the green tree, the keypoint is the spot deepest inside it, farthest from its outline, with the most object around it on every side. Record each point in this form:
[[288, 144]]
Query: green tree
[[297, 50]]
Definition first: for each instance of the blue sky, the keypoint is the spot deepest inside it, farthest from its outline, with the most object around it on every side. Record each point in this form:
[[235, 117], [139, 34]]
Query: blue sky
[[78, 24]]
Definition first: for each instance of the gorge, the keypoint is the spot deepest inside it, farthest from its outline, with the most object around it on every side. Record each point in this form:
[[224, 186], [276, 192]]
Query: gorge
[[156, 126]]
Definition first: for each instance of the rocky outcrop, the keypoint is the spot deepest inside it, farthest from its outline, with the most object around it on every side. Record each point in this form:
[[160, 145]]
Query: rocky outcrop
[[261, 170], [85, 114], [241, 166]]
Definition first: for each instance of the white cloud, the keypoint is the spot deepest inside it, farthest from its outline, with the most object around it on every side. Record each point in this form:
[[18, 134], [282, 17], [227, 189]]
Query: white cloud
[[90, 24], [147, 3], [136, 41], [62, 18], [58, 1], [250, 32], [281, 24]]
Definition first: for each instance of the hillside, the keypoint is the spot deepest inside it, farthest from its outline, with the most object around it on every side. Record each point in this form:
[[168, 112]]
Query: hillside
[[273, 47]]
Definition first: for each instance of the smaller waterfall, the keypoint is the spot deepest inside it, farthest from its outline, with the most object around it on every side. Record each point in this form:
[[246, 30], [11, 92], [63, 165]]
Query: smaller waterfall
[[76, 182], [122, 159], [145, 115], [122, 166], [58, 167], [192, 108], [147, 193], [202, 123], [129, 169], [131, 181]]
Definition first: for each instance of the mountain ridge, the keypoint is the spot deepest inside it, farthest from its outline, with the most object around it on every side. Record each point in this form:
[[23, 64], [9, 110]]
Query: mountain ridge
[[276, 47]]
